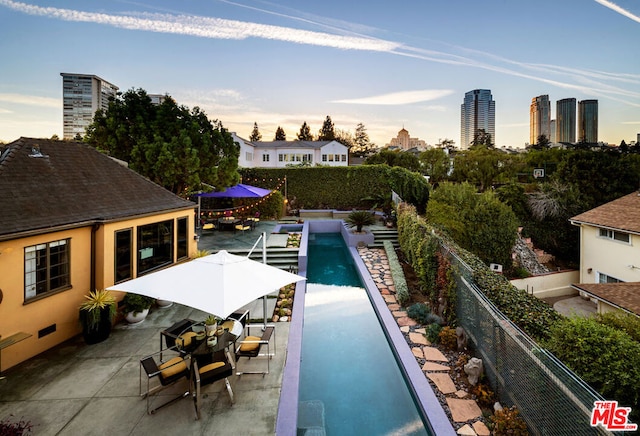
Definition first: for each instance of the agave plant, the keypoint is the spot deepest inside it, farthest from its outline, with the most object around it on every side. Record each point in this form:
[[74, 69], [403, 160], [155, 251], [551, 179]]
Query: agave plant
[[360, 218], [95, 302]]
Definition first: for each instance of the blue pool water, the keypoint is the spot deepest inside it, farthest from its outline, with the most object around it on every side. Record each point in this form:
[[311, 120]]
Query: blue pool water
[[349, 377]]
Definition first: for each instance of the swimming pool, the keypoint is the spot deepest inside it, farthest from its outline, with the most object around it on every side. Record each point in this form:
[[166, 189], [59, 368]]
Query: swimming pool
[[350, 382]]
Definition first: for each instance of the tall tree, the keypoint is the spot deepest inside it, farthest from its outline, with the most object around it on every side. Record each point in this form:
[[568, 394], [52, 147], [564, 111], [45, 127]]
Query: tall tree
[[482, 138], [174, 146], [305, 133], [362, 144], [255, 133], [327, 132], [345, 138], [280, 135], [436, 164]]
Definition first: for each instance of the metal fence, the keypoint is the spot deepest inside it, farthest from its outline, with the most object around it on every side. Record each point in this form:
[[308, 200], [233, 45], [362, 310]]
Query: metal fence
[[550, 397]]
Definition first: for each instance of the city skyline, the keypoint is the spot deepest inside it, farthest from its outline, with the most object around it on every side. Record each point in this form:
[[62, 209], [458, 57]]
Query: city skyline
[[283, 64]]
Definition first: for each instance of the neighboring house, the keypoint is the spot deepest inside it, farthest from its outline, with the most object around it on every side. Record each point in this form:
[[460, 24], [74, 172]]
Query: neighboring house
[[279, 154], [73, 220], [610, 254]]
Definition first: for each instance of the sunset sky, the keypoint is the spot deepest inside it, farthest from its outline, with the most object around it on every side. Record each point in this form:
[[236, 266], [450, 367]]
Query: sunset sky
[[385, 64]]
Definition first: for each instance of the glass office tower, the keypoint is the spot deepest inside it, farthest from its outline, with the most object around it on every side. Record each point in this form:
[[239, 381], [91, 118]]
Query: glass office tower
[[477, 112]]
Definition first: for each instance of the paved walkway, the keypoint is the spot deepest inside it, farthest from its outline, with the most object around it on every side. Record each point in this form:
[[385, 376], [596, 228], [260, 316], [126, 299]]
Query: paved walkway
[[464, 412]]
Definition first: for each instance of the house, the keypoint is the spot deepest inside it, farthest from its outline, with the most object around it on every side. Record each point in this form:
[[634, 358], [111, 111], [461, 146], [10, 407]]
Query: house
[[610, 254], [73, 220], [279, 154]]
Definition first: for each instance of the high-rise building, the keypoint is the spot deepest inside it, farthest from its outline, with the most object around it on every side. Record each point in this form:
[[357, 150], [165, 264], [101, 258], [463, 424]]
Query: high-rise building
[[478, 112], [82, 96], [539, 118], [588, 121], [552, 131], [566, 120], [406, 142]]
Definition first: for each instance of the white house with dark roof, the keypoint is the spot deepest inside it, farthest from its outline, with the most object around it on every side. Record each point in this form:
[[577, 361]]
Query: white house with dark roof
[[610, 254], [279, 154]]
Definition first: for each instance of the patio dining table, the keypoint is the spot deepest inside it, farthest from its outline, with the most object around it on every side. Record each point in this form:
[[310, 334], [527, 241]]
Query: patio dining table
[[227, 223]]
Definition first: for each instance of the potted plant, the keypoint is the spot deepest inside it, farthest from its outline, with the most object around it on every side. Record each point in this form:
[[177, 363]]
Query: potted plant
[[136, 307], [96, 315], [211, 324], [164, 303]]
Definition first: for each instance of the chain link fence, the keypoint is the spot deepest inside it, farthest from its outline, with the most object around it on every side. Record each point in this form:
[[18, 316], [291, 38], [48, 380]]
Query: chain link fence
[[550, 397]]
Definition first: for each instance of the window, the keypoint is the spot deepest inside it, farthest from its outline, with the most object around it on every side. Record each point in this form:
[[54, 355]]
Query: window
[[155, 246], [123, 249], [324, 158], [330, 158], [616, 236], [344, 158], [46, 268], [603, 278], [248, 156], [183, 246], [281, 157], [265, 158]]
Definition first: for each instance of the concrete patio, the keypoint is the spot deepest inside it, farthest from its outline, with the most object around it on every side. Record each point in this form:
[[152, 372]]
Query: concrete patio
[[79, 389]]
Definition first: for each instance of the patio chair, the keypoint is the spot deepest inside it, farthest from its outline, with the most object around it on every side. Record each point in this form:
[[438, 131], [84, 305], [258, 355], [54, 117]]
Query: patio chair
[[167, 373], [244, 225], [182, 329], [256, 217], [251, 346], [208, 370], [236, 322]]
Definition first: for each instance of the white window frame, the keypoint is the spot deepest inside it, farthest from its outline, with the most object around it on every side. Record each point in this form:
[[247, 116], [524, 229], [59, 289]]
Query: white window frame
[[614, 235]]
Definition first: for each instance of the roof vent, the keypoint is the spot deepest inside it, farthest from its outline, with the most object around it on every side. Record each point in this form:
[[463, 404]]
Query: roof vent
[[35, 152]]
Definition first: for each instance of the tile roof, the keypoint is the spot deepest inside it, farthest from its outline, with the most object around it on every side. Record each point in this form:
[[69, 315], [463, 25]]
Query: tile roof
[[70, 183], [625, 294], [622, 214]]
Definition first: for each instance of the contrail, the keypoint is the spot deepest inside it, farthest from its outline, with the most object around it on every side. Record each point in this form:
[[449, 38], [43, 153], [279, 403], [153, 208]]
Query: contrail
[[614, 7], [215, 28]]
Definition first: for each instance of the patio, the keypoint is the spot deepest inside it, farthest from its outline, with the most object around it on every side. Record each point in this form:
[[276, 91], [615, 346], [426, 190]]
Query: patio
[[93, 389]]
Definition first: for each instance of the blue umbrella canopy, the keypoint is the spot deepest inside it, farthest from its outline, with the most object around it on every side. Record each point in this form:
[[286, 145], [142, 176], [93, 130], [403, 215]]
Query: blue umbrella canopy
[[238, 191]]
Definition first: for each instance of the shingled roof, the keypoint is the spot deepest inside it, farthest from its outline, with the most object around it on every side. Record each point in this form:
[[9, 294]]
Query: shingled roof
[[621, 214], [46, 184], [625, 295]]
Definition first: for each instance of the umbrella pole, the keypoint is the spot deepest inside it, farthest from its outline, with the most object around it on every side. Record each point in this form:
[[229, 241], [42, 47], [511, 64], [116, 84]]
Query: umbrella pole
[[264, 260]]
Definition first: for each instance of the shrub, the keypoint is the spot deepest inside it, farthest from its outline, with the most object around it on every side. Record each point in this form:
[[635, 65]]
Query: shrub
[[606, 358], [448, 338], [419, 313], [433, 332], [136, 303], [360, 218], [484, 395], [622, 321], [508, 422], [432, 318], [402, 290], [20, 428]]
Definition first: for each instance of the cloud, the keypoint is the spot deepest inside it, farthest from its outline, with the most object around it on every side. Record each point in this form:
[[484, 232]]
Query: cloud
[[614, 7], [400, 98], [204, 27], [30, 100]]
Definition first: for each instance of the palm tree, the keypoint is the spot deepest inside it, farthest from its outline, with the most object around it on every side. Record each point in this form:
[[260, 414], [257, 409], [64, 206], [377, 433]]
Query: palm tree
[[360, 218]]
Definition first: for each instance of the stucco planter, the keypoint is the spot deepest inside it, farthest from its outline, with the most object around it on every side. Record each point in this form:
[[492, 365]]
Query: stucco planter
[[137, 317], [164, 303]]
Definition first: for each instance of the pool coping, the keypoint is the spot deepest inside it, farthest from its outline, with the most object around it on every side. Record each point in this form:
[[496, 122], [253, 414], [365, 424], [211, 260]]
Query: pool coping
[[287, 416]]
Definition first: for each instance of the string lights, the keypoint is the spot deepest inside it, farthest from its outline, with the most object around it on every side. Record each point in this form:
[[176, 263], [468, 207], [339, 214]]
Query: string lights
[[215, 213]]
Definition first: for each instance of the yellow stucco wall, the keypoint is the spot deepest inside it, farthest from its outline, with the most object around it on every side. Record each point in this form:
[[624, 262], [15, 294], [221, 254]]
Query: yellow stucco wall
[[61, 309]]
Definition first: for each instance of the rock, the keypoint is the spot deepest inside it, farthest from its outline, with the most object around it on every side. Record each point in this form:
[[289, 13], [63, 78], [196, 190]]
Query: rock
[[466, 430], [497, 406], [473, 369], [461, 337]]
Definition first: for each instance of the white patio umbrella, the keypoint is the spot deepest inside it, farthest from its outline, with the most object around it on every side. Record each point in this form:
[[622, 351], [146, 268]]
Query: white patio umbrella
[[217, 284]]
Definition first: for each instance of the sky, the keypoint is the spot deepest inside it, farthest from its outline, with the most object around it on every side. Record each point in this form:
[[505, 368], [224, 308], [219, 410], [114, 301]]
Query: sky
[[387, 65]]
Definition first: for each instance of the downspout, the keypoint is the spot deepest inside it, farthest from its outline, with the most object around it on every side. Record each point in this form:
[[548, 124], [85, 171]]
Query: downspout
[[94, 230]]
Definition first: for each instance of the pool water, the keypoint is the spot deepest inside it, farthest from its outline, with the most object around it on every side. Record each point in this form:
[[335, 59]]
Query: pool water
[[350, 382]]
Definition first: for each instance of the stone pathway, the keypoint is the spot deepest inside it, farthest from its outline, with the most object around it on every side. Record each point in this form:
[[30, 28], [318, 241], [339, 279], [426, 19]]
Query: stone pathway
[[465, 414]]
